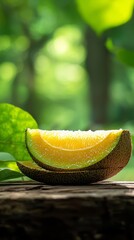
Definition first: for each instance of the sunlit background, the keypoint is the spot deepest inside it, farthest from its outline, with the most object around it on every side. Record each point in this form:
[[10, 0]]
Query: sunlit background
[[69, 63]]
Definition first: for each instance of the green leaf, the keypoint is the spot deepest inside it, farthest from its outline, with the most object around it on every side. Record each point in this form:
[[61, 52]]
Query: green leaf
[[6, 174], [121, 42], [13, 122], [8, 161], [122, 36], [123, 55], [105, 14], [4, 156], [126, 57], [9, 164]]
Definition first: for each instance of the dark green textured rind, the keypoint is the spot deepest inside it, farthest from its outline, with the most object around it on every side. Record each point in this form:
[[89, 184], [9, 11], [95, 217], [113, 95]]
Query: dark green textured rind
[[36, 173]]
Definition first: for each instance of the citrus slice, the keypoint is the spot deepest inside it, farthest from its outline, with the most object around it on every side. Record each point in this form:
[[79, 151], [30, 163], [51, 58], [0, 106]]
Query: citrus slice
[[39, 174], [75, 150]]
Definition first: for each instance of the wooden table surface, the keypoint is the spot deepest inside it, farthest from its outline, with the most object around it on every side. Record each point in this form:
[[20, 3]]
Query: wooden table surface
[[36, 211]]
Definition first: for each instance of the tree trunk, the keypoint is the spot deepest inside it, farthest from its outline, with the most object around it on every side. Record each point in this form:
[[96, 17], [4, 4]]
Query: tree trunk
[[31, 102], [98, 63]]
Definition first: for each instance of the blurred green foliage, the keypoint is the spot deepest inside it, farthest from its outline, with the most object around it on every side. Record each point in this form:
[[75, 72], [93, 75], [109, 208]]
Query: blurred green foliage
[[42, 62]]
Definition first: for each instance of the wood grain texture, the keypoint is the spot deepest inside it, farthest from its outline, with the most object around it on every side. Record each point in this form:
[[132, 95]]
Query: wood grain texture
[[36, 211]]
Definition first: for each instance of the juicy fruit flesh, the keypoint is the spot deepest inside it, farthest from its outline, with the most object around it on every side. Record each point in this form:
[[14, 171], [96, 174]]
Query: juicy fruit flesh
[[73, 139], [71, 150]]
